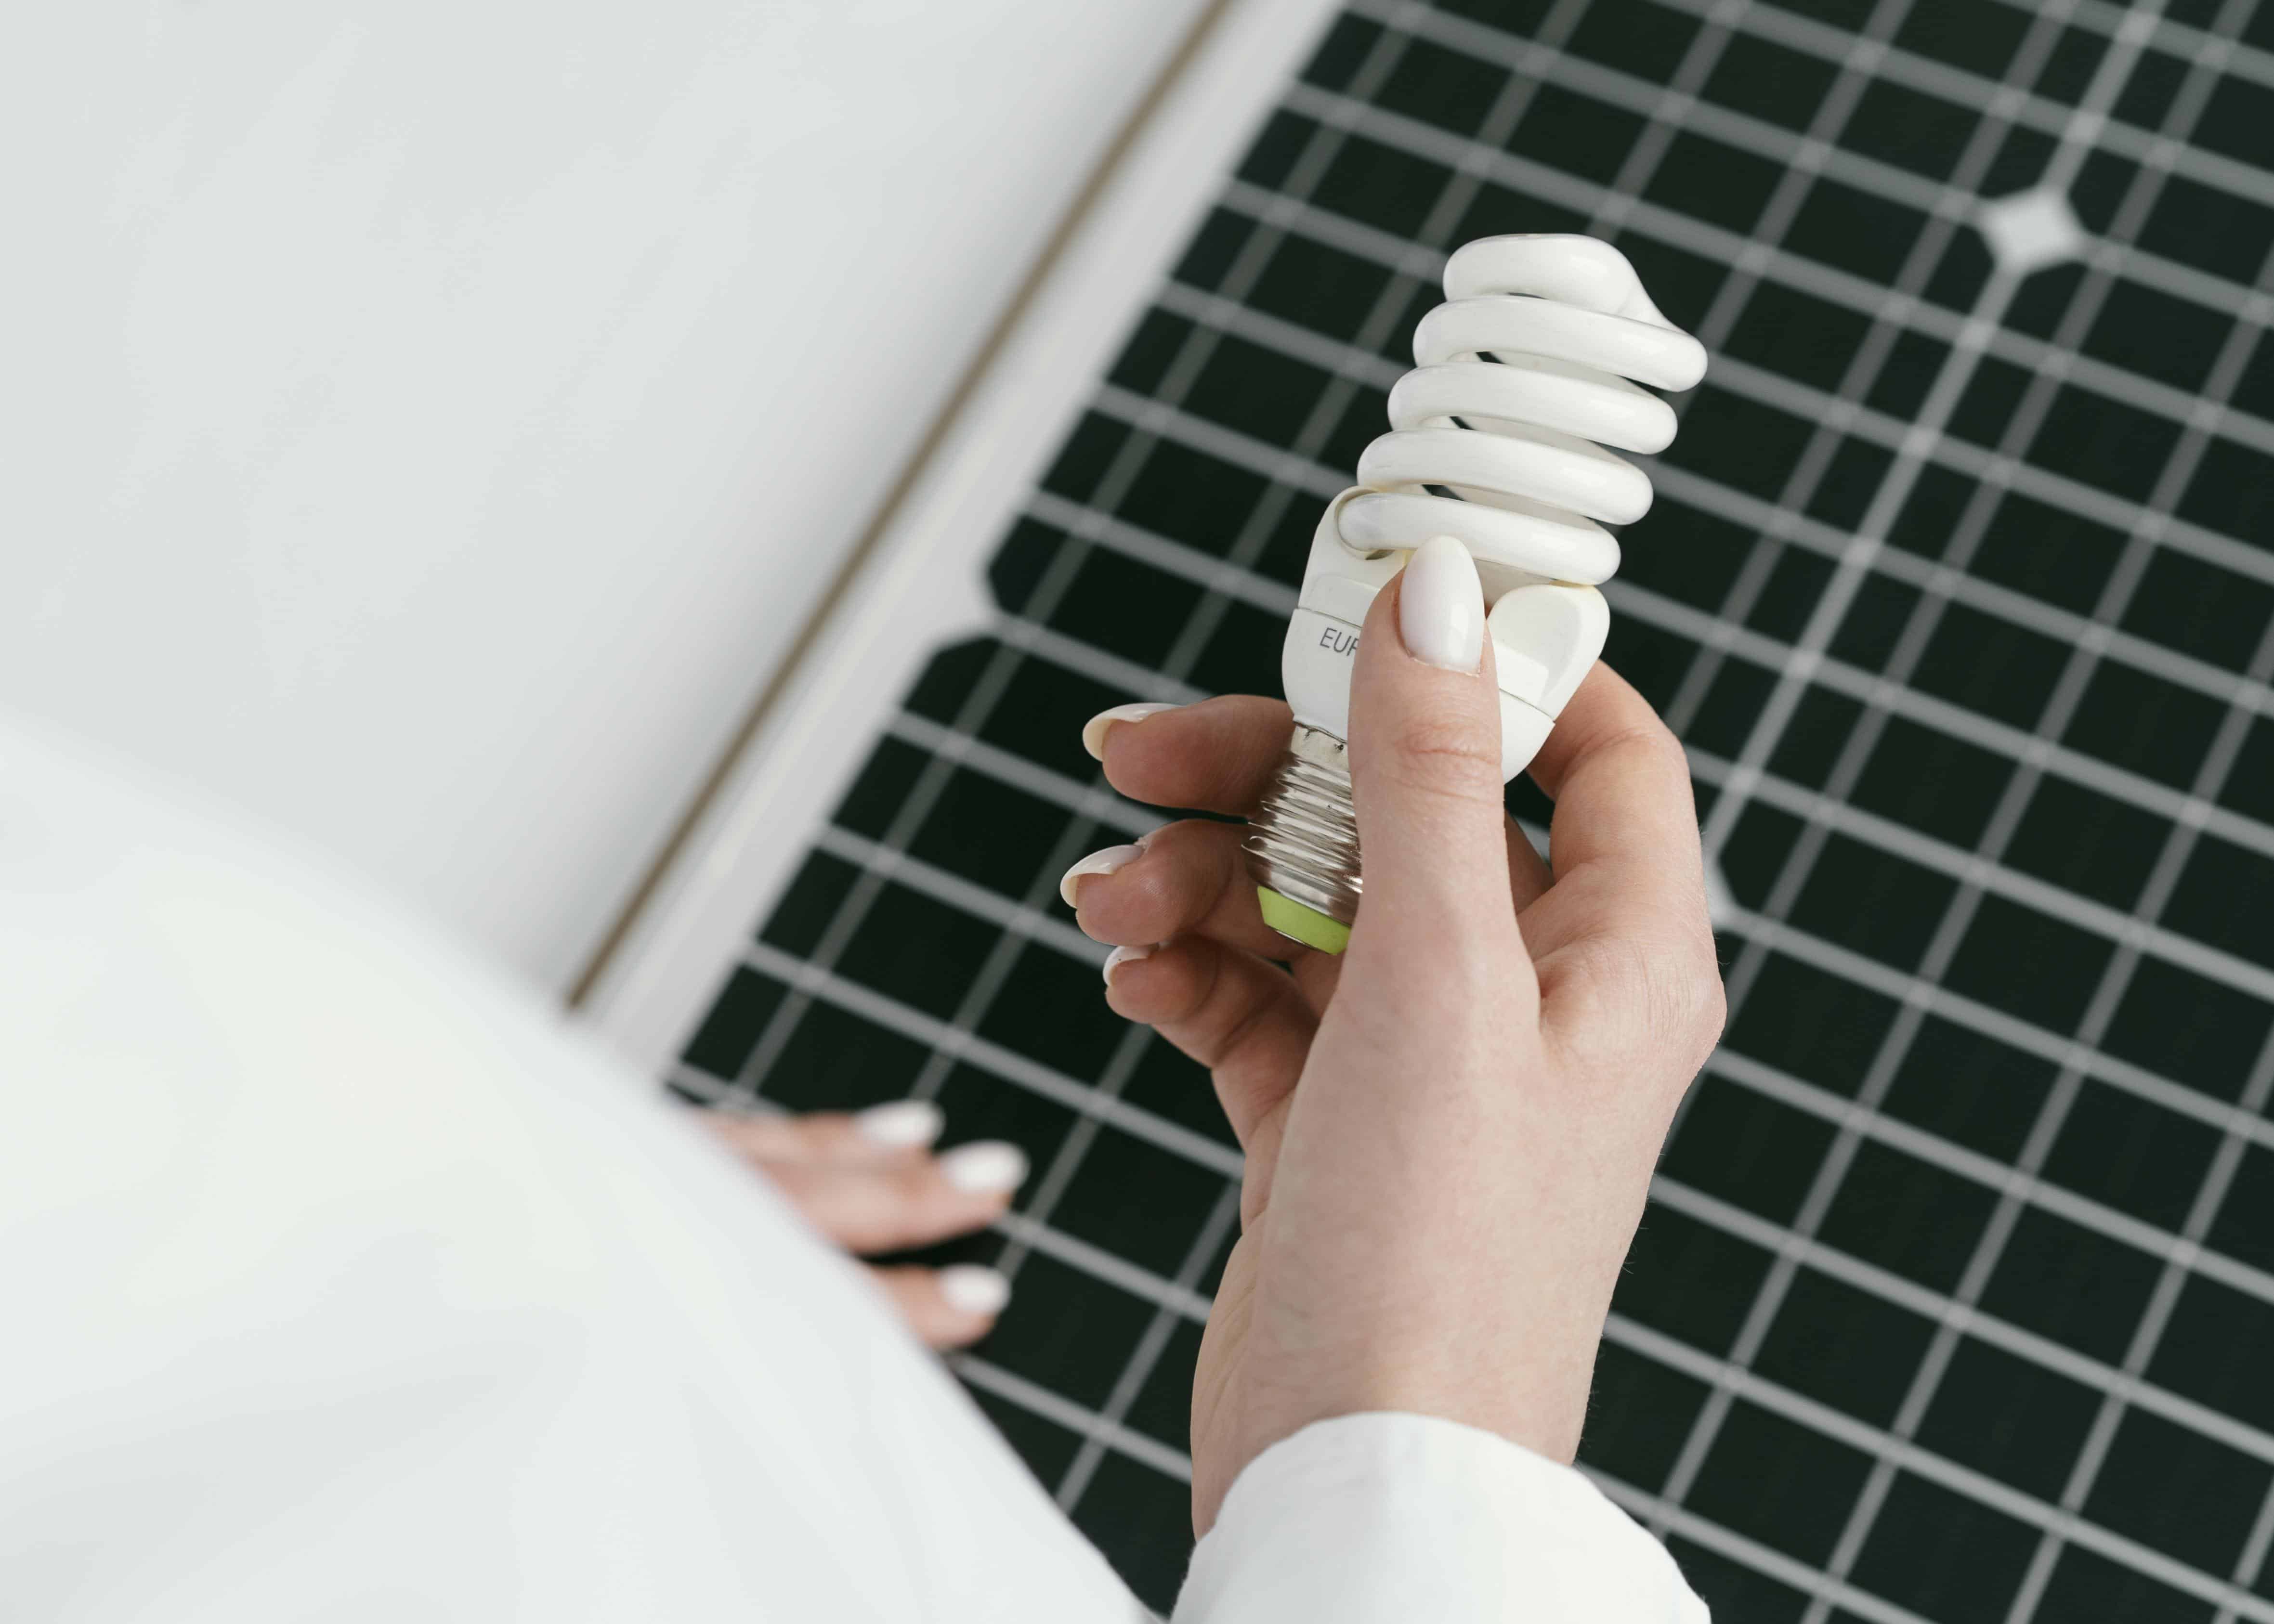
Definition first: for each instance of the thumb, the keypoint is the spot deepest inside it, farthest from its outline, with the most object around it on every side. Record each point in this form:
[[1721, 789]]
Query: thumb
[[1425, 761]]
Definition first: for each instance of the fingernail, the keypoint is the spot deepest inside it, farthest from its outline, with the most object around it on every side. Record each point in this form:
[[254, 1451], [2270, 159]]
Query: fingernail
[[1121, 956], [1441, 606], [901, 1125], [988, 1167], [1112, 860], [969, 1288], [1094, 731]]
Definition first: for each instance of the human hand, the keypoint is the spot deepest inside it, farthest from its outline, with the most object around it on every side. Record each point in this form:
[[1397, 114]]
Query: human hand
[[1449, 1131], [869, 1183]]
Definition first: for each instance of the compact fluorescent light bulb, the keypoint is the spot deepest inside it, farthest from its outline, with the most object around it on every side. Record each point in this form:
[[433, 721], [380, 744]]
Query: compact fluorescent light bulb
[[1492, 442]]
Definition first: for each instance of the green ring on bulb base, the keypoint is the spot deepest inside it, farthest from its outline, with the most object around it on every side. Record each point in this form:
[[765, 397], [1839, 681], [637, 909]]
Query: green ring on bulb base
[[1306, 925]]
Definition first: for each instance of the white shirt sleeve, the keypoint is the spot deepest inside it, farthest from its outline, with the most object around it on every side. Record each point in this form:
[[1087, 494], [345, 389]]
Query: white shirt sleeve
[[1374, 1518], [343, 1282]]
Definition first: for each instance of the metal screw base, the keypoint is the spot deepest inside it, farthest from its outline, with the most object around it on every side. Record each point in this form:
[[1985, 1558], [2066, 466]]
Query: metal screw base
[[1302, 841]]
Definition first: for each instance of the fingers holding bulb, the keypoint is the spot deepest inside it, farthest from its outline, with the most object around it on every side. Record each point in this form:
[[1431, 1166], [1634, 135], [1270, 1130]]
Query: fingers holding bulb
[[1189, 877], [1214, 756], [1233, 1013]]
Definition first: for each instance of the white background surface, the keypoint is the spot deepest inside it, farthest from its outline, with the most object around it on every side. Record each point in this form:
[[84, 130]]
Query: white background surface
[[426, 430]]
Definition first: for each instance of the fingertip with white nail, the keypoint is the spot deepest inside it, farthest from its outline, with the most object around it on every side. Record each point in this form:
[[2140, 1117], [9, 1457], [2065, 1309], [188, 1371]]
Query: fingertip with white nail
[[974, 1288], [1441, 606], [900, 1124], [1094, 731], [1121, 956], [1112, 860], [987, 1167]]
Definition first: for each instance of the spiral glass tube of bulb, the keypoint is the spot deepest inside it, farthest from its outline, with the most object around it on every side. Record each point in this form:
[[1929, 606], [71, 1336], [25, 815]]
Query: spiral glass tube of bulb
[[1532, 365]]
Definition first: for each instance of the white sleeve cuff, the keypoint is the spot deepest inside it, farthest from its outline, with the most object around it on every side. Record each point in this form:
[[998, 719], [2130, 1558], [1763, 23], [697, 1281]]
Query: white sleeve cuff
[[1384, 1517]]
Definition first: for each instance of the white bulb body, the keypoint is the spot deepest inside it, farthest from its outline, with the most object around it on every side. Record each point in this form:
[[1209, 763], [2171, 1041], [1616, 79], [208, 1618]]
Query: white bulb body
[[1517, 375]]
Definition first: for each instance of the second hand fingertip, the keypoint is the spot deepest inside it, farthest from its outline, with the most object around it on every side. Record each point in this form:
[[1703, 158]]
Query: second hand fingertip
[[900, 1124], [974, 1288], [989, 1167]]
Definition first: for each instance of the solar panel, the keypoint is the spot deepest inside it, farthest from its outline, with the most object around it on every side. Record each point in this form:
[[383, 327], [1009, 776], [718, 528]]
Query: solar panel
[[1956, 1296]]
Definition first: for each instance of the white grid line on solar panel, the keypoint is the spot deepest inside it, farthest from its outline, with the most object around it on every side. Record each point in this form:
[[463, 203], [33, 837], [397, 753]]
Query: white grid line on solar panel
[[1959, 916], [2085, 1371], [1665, 1191], [1317, 349], [1787, 394], [1993, 875], [2152, 395], [2148, 1237], [1101, 1264], [1012, 918], [1838, 676], [1207, 570], [2147, 1338], [2055, 489], [1743, 1549], [1024, 1229], [1007, 767], [1993, 598], [1944, 716], [1829, 282], [1902, 985], [2236, 1119], [1892, 62], [1151, 1344], [2214, 964], [2178, 38], [1666, 116], [1033, 1396], [1230, 446], [1111, 1270], [1832, 1108], [1105, 1428], [1779, 146], [1698, 625], [1978, 1486], [2255, 1551], [1043, 1194], [2004, 603], [2222, 1115], [958, 1045], [1806, 400], [1176, 1297]]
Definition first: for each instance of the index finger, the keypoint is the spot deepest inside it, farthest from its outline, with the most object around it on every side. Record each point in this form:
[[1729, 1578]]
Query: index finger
[[1623, 843], [1217, 756]]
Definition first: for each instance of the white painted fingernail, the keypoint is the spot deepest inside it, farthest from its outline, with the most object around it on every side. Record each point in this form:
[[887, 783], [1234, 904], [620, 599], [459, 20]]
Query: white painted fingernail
[[1441, 606], [988, 1167], [969, 1288], [1112, 860], [901, 1125], [1094, 731], [1121, 956]]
